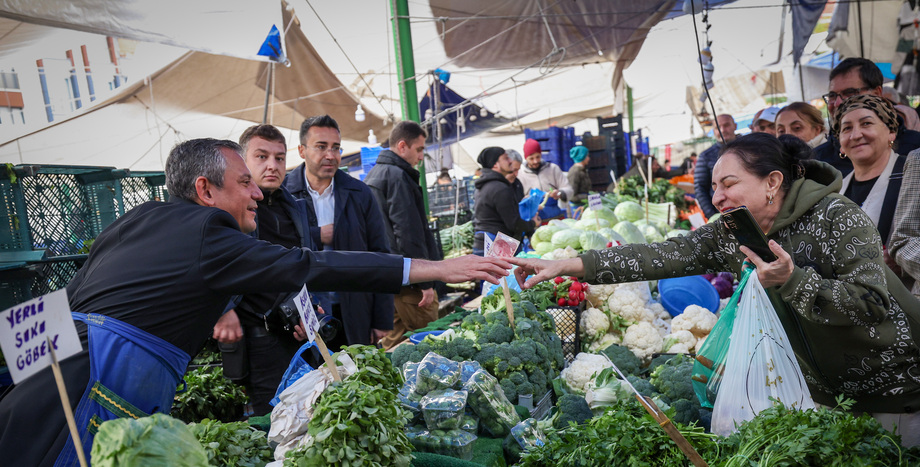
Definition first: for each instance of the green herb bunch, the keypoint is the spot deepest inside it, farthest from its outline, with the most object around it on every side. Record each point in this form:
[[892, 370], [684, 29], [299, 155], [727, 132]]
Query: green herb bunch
[[783, 436], [209, 395], [625, 434], [355, 424], [235, 443], [374, 367]]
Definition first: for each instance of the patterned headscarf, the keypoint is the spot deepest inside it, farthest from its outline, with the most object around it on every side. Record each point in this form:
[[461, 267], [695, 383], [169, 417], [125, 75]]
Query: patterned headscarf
[[881, 106]]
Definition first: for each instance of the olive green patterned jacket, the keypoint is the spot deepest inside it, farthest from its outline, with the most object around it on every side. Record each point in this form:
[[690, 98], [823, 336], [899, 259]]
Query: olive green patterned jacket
[[853, 325]]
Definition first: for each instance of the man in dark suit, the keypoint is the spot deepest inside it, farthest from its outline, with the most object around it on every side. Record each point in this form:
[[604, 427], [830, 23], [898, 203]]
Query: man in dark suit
[[344, 217], [157, 280]]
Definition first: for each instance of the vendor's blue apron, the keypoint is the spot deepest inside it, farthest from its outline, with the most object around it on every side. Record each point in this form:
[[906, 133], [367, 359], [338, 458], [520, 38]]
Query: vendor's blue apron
[[132, 374]]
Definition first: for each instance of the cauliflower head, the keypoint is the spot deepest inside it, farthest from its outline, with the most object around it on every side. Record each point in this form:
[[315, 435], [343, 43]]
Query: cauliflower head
[[630, 303], [583, 369], [679, 342], [598, 293], [695, 319], [594, 324], [643, 339], [605, 341]]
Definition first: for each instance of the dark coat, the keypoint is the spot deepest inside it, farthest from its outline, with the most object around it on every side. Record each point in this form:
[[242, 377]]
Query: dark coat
[[358, 226], [495, 209], [169, 269], [395, 185]]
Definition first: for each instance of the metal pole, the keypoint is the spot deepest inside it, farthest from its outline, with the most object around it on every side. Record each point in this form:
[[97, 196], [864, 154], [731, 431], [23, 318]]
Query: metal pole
[[405, 69], [268, 92], [862, 52]]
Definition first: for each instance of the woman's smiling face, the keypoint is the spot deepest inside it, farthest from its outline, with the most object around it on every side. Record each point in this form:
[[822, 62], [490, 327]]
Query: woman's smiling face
[[864, 138]]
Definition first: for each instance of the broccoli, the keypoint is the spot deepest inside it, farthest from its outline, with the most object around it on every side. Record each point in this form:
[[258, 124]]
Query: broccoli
[[510, 390], [495, 332], [642, 385], [571, 408], [686, 411], [497, 317], [458, 349], [488, 357], [538, 379], [673, 379], [624, 359], [555, 349], [658, 361], [402, 354], [521, 384], [525, 349], [473, 322]]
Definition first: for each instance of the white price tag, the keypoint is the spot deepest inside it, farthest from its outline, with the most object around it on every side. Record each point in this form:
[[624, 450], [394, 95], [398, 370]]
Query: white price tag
[[26, 328], [594, 201], [307, 314]]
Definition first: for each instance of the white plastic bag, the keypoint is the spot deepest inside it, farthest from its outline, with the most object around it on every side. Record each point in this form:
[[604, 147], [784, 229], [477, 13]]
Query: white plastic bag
[[760, 365]]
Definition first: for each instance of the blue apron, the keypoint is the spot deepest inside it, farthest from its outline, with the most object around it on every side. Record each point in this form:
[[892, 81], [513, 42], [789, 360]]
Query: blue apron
[[132, 374]]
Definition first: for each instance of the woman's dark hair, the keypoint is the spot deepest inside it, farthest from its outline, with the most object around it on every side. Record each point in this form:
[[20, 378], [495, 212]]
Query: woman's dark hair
[[762, 153]]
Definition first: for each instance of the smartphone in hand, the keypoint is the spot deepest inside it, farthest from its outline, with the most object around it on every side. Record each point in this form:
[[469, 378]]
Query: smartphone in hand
[[741, 223]]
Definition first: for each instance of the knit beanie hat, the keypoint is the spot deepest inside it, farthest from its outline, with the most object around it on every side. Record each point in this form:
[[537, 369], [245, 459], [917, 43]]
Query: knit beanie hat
[[531, 146], [578, 153], [489, 156]]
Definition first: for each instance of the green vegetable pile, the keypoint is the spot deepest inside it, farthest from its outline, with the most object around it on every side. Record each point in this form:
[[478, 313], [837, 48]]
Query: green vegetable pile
[[660, 191], [358, 421], [782, 436], [209, 395], [457, 240], [235, 443], [155, 440], [524, 359]]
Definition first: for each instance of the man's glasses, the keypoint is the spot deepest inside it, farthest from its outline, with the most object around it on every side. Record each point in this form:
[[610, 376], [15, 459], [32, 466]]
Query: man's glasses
[[844, 95], [325, 149]]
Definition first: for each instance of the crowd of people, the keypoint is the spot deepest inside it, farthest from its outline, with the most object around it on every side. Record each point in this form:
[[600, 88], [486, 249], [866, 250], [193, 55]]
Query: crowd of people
[[240, 237]]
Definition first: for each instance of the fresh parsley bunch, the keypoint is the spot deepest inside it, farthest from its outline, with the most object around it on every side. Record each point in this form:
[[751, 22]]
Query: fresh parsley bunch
[[234, 443], [209, 395], [355, 424]]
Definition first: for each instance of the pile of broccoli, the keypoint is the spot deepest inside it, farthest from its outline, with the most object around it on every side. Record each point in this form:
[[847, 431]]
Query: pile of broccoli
[[524, 359]]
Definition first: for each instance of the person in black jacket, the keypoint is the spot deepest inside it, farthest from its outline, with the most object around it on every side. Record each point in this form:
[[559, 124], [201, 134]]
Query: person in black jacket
[[281, 220], [495, 209], [157, 280], [344, 217], [395, 183], [854, 76]]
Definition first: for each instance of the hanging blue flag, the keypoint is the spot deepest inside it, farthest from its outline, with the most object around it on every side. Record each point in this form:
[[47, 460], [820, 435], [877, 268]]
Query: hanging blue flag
[[271, 48]]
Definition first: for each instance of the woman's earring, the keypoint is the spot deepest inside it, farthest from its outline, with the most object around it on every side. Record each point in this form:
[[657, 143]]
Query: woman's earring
[[890, 144], [770, 198], [843, 156]]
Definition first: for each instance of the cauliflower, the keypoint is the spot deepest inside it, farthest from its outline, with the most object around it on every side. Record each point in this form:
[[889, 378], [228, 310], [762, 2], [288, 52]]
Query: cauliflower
[[583, 369], [663, 326], [560, 253], [631, 301], [594, 324], [643, 339], [699, 343], [597, 293], [659, 311], [695, 319], [679, 342], [605, 341]]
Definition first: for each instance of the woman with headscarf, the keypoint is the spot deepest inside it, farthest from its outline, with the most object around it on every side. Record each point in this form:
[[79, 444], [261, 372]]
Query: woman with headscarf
[[802, 120], [866, 126], [578, 176], [852, 324], [494, 206]]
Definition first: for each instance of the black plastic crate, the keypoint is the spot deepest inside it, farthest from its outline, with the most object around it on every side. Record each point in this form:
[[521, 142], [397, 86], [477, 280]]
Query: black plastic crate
[[14, 228], [24, 281], [444, 200], [568, 322]]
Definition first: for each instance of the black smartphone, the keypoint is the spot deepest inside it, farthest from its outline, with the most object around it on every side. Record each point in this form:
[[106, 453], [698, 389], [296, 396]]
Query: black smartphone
[[742, 224]]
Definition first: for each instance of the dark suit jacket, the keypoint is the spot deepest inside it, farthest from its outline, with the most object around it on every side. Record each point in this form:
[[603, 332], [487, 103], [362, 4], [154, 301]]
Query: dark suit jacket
[[358, 226]]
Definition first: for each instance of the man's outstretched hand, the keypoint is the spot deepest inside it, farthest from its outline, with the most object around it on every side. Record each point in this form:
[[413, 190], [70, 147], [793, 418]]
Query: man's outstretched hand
[[462, 269]]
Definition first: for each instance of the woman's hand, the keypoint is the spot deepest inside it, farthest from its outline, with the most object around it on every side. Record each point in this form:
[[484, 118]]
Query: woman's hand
[[775, 273], [542, 269]]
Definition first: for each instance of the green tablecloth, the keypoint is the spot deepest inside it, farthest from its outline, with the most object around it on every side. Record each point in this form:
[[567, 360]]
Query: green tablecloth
[[486, 451]]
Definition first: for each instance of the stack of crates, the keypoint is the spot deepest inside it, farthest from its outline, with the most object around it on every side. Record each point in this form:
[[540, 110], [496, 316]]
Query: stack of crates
[[49, 216], [600, 165], [555, 144]]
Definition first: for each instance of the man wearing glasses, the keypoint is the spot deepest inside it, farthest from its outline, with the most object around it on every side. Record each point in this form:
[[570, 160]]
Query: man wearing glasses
[[852, 77], [343, 216]]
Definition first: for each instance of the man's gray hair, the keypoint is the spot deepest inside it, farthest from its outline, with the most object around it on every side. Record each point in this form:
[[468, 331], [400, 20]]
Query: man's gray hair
[[195, 158], [514, 155]]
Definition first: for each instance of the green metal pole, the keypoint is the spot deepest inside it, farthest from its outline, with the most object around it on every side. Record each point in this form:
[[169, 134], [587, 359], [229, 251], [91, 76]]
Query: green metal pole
[[405, 68], [629, 107]]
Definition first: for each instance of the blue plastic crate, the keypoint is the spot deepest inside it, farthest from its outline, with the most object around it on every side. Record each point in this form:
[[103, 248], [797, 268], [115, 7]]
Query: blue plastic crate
[[369, 155]]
